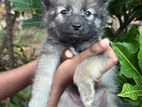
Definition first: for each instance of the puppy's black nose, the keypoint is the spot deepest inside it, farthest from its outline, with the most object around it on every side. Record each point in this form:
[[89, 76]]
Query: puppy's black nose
[[76, 26]]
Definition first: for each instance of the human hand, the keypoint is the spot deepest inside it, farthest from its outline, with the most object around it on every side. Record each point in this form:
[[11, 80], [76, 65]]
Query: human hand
[[64, 73]]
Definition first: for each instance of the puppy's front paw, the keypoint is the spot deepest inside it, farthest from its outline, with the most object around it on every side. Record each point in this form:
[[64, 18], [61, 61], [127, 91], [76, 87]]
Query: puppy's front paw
[[87, 92]]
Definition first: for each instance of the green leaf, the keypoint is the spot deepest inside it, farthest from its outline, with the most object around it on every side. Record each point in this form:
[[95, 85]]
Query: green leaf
[[22, 5], [26, 5], [137, 12], [116, 6], [121, 80], [125, 53], [131, 91], [24, 2], [140, 51], [34, 22], [109, 32], [133, 35], [33, 6], [130, 51]]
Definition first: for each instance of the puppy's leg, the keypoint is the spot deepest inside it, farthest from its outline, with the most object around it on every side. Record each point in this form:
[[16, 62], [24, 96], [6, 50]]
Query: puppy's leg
[[110, 88], [87, 91], [47, 63], [86, 75], [85, 83]]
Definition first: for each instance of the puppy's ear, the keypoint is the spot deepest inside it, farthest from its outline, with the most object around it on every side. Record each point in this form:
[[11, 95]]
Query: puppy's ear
[[46, 3]]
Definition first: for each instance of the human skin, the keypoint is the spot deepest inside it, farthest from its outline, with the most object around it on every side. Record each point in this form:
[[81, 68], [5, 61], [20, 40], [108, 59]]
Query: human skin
[[17, 79]]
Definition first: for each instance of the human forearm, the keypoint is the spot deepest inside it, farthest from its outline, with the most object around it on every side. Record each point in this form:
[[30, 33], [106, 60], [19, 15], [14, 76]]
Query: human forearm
[[66, 71], [55, 96], [14, 80]]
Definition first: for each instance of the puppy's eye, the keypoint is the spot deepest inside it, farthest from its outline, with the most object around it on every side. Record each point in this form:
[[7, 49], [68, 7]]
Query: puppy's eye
[[88, 13], [64, 12]]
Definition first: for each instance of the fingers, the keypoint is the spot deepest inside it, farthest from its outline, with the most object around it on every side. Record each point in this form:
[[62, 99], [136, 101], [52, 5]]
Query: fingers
[[95, 49], [140, 27], [68, 54], [112, 60]]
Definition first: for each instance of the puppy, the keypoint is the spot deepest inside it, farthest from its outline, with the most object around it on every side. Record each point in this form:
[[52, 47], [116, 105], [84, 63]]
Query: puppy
[[76, 24]]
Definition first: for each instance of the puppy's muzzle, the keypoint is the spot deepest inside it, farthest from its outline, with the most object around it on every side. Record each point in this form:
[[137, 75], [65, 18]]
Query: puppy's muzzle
[[76, 26]]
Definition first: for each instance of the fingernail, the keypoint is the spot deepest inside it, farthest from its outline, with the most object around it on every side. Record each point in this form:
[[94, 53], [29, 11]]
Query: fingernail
[[68, 54], [104, 42]]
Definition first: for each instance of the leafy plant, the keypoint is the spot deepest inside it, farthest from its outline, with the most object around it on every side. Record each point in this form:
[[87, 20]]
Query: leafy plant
[[20, 100], [32, 7], [22, 53], [127, 46], [130, 59], [125, 11]]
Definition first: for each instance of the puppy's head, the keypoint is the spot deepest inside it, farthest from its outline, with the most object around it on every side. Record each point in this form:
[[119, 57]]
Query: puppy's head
[[75, 20]]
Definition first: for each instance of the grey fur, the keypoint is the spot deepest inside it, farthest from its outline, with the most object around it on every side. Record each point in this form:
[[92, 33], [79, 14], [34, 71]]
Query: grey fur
[[70, 24]]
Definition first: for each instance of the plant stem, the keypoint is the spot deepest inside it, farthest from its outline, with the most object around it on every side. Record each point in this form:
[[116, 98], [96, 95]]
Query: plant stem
[[10, 21]]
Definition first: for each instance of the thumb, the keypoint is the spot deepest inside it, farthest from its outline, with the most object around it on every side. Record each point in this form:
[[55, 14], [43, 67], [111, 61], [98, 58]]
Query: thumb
[[95, 49]]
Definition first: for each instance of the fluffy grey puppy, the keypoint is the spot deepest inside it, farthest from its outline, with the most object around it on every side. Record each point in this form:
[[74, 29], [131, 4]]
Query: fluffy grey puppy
[[76, 24]]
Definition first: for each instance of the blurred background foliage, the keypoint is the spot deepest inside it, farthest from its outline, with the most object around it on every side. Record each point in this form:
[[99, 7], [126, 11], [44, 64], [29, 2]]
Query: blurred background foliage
[[19, 44]]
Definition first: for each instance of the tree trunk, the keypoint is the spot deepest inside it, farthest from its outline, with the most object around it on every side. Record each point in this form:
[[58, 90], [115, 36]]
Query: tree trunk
[[10, 21]]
